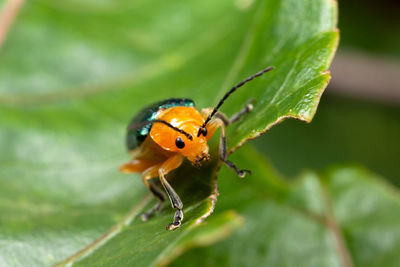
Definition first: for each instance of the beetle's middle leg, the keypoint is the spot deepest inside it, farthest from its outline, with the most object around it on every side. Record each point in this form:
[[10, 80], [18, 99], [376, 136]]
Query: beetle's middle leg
[[246, 109], [149, 173], [234, 118]]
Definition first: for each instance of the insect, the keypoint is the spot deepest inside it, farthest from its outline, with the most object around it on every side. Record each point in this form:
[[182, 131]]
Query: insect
[[161, 135]]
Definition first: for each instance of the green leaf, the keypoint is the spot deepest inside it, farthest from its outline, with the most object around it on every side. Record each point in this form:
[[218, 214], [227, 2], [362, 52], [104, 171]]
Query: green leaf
[[90, 66], [298, 38], [135, 242], [344, 216]]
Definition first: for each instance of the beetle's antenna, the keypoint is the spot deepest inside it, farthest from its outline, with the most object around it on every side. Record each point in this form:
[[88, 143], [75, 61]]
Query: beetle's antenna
[[189, 136], [202, 129]]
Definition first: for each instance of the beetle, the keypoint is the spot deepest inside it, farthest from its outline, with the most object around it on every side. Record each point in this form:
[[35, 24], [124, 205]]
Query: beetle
[[161, 135]]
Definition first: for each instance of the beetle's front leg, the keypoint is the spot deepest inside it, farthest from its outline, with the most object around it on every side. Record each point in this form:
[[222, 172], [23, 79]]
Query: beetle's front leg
[[171, 164], [224, 155]]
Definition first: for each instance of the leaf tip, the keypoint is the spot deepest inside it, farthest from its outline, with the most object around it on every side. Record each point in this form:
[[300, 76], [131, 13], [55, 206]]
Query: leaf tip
[[326, 72]]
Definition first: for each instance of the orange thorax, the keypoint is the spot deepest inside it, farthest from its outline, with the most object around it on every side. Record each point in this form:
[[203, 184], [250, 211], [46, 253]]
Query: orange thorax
[[187, 119]]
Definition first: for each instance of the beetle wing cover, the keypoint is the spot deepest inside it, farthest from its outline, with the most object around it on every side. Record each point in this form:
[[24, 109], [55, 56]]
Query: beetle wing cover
[[139, 128]]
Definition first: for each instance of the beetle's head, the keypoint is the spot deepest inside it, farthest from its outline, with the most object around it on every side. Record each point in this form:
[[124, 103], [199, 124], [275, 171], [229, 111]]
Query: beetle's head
[[182, 139]]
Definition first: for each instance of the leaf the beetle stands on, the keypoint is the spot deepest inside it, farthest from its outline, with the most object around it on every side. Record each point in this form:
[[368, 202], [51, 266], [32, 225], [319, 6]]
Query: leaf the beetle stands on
[[344, 216]]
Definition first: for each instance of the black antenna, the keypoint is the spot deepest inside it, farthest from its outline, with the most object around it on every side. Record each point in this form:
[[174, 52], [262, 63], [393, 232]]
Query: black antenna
[[163, 122], [202, 129]]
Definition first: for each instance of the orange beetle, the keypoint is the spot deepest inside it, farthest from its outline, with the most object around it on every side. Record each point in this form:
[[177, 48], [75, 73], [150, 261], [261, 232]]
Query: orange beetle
[[161, 135]]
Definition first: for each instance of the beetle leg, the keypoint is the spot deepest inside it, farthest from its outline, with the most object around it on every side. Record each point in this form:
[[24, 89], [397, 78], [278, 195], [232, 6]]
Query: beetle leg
[[219, 122], [169, 165], [146, 176], [235, 117], [224, 155], [175, 202], [246, 109]]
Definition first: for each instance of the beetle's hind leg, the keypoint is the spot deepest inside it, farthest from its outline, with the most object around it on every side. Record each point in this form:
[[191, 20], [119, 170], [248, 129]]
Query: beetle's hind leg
[[146, 176]]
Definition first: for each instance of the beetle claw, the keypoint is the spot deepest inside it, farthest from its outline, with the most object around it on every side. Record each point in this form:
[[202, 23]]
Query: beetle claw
[[150, 213], [196, 164], [177, 220], [173, 226], [199, 159], [242, 173]]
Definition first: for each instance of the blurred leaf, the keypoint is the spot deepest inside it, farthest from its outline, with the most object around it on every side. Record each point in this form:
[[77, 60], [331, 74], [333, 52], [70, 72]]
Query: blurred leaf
[[92, 65], [383, 24], [344, 130], [344, 216]]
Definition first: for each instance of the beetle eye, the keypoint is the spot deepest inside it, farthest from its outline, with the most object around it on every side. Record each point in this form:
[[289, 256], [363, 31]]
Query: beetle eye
[[179, 143]]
